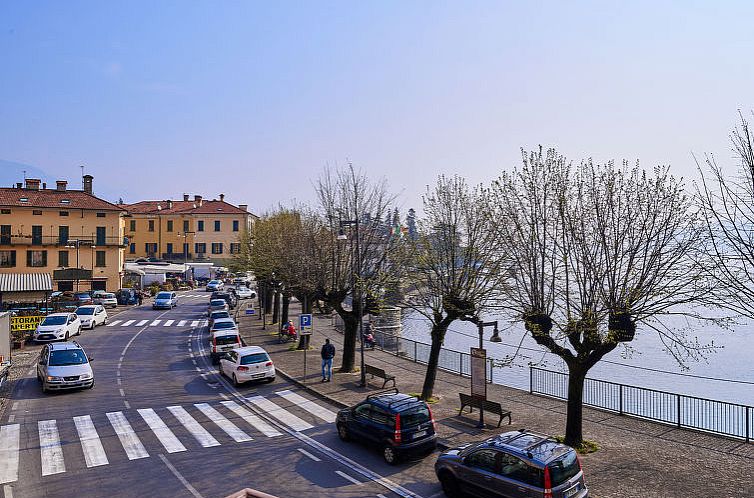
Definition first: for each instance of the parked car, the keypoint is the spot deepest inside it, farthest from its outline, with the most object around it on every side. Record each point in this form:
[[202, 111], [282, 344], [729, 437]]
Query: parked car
[[399, 424], [126, 296], [217, 315], [243, 292], [58, 327], [246, 364], [91, 315], [215, 285], [229, 298], [222, 326], [217, 305], [64, 366], [223, 341], [106, 299], [516, 464], [165, 300], [83, 298]]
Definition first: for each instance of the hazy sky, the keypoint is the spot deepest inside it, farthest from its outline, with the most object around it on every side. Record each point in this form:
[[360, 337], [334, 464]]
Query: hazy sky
[[252, 99]]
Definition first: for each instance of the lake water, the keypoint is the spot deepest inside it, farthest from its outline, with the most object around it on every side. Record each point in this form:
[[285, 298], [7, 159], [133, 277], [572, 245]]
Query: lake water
[[734, 360]]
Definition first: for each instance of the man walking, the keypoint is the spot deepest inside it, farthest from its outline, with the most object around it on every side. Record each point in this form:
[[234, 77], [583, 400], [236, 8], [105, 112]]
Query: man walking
[[139, 296], [328, 353]]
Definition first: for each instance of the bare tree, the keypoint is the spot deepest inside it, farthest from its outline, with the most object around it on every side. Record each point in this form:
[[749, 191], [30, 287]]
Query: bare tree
[[595, 251], [452, 264]]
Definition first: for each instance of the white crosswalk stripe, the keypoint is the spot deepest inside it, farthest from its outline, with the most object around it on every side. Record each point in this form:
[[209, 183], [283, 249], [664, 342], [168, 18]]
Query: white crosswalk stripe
[[155, 323], [203, 323], [195, 323], [162, 431], [128, 322], [128, 438], [252, 419], [141, 323], [182, 323], [168, 323], [223, 423], [49, 448], [308, 405], [279, 413], [113, 323], [200, 433], [10, 436], [94, 453]]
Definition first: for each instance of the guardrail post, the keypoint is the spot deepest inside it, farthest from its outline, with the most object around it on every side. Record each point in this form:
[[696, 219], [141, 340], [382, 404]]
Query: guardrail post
[[620, 401], [678, 403], [416, 357], [748, 435], [460, 363], [531, 379]]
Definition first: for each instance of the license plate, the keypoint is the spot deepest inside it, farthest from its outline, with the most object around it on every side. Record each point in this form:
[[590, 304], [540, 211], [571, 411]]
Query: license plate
[[420, 434], [571, 491], [256, 376]]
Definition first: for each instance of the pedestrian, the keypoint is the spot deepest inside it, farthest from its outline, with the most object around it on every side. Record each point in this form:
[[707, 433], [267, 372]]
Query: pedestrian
[[328, 353], [139, 296]]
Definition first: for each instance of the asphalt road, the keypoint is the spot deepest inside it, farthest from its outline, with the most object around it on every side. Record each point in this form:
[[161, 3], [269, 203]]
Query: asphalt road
[[161, 422]]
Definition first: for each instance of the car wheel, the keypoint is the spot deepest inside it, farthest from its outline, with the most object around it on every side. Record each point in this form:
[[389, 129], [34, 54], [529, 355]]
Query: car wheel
[[235, 381], [343, 433], [66, 336], [389, 454], [449, 485], [44, 388], [105, 322], [270, 379]]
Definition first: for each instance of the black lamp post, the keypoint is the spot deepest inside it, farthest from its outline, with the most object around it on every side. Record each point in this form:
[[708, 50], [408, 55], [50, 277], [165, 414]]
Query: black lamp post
[[74, 244], [356, 272], [495, 338]]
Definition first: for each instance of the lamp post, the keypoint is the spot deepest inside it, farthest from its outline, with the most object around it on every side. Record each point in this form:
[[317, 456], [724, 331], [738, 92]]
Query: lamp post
[[92, 281], [495, 338], [71, 244], [356, 272], [185, 253]]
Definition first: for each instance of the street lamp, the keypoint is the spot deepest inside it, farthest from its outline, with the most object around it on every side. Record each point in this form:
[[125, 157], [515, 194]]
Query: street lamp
[[356, 268], [495, 338], [93, 248], [74, 244], [185, 253]]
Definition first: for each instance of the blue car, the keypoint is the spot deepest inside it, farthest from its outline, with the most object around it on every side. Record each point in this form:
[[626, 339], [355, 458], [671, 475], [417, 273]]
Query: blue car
[[165, 300]]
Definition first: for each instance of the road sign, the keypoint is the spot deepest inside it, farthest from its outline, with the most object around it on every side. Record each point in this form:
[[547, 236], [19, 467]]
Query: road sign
[[305, 323], [250, 311]]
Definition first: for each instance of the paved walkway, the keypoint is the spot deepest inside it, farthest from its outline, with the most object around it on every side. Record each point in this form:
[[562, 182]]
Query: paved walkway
[[636, 458]]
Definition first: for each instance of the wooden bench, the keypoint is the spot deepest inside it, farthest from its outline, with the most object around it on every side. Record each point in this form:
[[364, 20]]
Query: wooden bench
[[487, 406], [378, 372]]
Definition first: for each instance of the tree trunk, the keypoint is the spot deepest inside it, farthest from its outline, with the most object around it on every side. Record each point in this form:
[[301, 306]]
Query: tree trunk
[[276, 306], [574, 433], [268, 293], [351, 326], [438, 336], [286, 306]]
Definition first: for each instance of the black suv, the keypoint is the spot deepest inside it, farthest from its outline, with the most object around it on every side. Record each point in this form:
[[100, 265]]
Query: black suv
[[228, 297], [516, 464], [397, 423]]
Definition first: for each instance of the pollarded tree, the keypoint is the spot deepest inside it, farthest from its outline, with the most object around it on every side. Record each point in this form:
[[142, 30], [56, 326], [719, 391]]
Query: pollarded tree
[[452, 265], [596, 251]]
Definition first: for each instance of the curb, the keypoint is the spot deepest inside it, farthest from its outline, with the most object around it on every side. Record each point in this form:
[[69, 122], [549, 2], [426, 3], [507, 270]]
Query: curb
[[311, 390]]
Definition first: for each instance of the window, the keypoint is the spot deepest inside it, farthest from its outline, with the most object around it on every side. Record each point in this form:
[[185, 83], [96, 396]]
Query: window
[[185, 226], [150, 248], [217, 225], [36, 235], [563, 469], [380, 416], [37, 212], [132, 248], [63, 235], [65, 201], [100, 259], [36, 259], [362, 411], [170, 225], [7, 259], [235, 248], [482, 459], [200, 248], [4, 211], [65, 285], [151, 225], [217, 248], [132, 225], [170, 248], [101, 215], [515, 468], [63, 258], [235, 225], [200, 226], [101, 239], [63, 213], [5, 234]]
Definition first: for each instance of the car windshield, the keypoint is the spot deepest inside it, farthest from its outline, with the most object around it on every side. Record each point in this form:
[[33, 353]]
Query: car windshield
[[217, 302], [220, 314], [213, 282], [83, 295], [226, 339], [223, 325], [108, 295], [415, 416], [84, 311], [563, 469], [254, 358], [163, 295], [68, 357], [55, 320]]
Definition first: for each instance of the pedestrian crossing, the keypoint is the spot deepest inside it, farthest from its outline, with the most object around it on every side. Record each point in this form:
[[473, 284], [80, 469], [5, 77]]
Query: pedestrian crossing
[[184, 296], [144, 432], [157, 323]]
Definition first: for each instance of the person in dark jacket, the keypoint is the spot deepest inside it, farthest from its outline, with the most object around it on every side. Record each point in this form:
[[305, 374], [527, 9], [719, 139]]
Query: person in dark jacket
[[139, 296], [328, 353]]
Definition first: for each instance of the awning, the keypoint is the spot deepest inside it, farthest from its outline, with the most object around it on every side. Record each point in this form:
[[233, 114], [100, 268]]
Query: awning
[[25, 282]]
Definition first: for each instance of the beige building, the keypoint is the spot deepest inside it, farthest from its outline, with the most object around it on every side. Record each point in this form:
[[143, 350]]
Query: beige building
[[195, 229], [72, 235]]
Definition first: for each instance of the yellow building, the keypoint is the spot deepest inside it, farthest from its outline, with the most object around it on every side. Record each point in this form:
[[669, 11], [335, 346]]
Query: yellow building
[[72, 235], [192, 229]]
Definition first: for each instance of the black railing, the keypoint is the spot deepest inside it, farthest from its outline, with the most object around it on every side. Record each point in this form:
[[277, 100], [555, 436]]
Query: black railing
[[54, 240], [708, 415]]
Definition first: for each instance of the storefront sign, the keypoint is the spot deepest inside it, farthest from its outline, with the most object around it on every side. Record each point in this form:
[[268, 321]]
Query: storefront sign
[[19, 323]]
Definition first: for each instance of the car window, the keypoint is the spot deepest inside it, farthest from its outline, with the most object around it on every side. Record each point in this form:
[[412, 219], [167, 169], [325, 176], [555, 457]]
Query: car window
[[514, 468], [232, 356], [85, 311], [563, 469], [223, 325], [163, 295], [54, 320], [254, 358], [415, 416], [220, 314], [217, 302], [362, 411], [222, 340], [67, 357], [381, 416], [482, 459]]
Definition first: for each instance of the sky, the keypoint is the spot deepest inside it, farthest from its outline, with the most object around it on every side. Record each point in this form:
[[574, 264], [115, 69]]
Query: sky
[[253, 99]]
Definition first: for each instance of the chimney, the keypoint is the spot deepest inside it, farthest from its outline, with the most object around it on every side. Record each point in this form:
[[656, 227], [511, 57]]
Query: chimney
[[222, 196], [19, 185], [198, 200], [185, 197], [244, 207], [61, 185], [44, 185], [32, 183], [170, 204], [88, 184]]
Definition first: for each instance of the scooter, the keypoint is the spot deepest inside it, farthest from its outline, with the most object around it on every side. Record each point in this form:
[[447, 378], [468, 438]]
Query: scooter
[[284, 336]]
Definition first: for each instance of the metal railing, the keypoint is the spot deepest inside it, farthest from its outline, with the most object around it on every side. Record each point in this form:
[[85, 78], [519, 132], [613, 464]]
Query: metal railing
[[708, 415], [55, 240]]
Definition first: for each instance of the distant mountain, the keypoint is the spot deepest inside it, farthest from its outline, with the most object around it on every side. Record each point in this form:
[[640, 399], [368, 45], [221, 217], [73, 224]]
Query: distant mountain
[[12, 173]]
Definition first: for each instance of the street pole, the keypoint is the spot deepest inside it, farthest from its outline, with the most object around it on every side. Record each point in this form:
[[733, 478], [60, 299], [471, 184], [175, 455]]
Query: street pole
[[495, 338], [360, 312]]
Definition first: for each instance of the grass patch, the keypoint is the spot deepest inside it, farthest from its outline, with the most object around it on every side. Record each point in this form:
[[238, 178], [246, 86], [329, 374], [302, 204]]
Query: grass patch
[[432, 400], [587, 446]]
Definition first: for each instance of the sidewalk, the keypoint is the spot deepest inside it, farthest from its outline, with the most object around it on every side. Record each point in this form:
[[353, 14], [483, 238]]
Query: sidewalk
[[636, 458]]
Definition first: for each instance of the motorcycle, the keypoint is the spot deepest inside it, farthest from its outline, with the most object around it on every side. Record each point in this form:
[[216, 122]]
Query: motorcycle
[[285, 336]]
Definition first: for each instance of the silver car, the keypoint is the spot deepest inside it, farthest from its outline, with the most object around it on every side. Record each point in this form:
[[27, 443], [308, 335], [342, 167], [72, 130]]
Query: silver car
[[64, 366], [165, 300]]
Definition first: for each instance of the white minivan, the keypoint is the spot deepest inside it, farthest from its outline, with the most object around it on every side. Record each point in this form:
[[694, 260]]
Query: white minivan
[[58, 327]]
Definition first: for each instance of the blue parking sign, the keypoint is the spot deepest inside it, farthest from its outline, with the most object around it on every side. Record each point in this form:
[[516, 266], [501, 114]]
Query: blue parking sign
[[305, 320]]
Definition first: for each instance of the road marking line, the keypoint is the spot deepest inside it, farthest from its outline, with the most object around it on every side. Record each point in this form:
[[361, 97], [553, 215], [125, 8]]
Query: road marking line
[[15, 405], [128, 322], [128, 405], [10, 437], [256, 422], [381, 496], [195, 323], [224, 396], [168, 323], [203, 323], [308, 405], [163, 433], [122, 392], [155, 323], [50, 449], [348, 478], [94, 453], [279, 413], [11, 418], [194, 362], [200, 433], [8, 491], [141, 323], [128, 438], [304, 452], [182, 323], [118, 379], [223, 423], [114, 323], [178, 475]]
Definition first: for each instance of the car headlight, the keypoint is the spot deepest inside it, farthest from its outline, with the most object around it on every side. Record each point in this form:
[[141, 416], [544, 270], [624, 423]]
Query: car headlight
[[52, 378], [85, 376]]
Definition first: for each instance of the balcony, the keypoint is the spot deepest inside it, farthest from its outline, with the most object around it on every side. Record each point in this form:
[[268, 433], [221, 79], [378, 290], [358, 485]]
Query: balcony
[[54, 240], [176, 256]]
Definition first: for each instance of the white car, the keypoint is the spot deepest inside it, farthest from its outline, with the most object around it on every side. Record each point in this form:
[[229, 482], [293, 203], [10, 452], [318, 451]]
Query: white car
[[247, 363], [92, 315], [215, 285], [244, 292], [106, 299], [222, 326], [64, 366], [58, 327], [222, 342]]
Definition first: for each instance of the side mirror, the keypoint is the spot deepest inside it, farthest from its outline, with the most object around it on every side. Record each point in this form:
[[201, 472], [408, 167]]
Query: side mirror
[[90, 358]]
